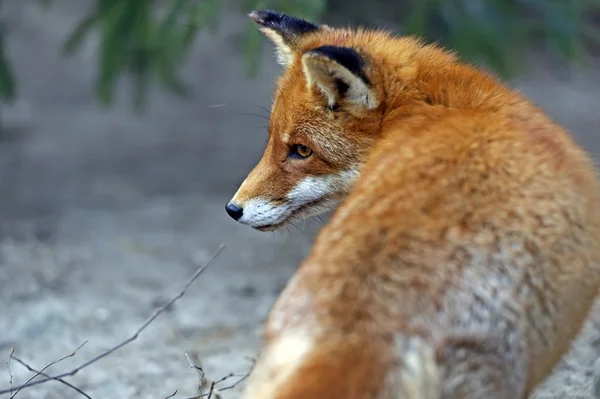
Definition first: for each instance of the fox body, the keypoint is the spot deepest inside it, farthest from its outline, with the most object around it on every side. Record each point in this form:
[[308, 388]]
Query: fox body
[[463, 255]]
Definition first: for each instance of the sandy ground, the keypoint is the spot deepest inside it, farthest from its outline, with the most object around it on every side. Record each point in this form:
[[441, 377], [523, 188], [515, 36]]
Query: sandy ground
[[105, 215]]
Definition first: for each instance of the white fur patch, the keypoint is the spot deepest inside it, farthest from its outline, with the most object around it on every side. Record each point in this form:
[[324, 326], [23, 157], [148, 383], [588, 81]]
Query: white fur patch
[[260, 211], [289, 307], [417, 376], [277, 364], [283, 52], [315, 187]]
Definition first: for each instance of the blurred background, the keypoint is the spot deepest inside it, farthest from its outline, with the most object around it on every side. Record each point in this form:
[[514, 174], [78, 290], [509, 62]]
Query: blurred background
[[126, 126]]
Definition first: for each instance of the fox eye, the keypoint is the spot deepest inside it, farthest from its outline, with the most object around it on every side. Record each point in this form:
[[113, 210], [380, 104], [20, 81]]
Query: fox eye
[[300, 151]]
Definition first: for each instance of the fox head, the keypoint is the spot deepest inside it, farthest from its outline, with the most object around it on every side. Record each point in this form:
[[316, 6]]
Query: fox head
[[326, 113]]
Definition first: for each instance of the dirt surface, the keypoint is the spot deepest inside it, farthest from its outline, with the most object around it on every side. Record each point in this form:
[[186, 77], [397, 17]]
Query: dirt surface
[[105, 215]]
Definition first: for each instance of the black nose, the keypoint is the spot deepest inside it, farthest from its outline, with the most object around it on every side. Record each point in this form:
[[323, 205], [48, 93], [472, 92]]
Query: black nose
[[234, 211]]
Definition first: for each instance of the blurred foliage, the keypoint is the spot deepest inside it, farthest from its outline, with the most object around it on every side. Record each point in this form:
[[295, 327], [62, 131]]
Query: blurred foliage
[[499, 32], [148, 40], [144, 40], [7, 77]]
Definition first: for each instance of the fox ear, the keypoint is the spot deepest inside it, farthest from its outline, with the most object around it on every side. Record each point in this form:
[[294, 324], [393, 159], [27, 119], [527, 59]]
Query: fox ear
[[283, 30], [339, 72]]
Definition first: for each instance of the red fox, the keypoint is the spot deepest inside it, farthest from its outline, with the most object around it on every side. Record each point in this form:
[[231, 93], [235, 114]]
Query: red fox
[[463, 253]]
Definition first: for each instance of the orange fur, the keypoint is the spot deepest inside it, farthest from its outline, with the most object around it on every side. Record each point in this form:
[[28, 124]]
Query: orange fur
[[465, 256]]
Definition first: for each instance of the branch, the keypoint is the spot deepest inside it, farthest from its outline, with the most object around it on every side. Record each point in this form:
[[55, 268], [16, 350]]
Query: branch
[[42, 370], [596, 379], [10, 356], [48, 376], [201, 374], [241, 377], [154, 315], [214, 392]]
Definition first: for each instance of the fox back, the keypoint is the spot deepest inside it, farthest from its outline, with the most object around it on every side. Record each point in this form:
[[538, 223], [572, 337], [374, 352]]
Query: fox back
[[463, 255]]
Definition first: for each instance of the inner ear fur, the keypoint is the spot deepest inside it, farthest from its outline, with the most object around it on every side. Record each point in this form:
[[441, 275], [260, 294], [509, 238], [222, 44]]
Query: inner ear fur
[[339, 73]]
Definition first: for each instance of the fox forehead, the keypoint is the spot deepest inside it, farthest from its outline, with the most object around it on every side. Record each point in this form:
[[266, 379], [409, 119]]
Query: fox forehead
[[293, 105]]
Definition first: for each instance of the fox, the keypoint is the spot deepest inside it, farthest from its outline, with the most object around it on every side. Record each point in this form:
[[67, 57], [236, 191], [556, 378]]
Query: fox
[[462, 256]]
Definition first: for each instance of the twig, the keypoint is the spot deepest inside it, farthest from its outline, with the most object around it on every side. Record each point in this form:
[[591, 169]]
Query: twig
[[154, 315], [241, 376], [28, 367], [45, 367], [201, 375], [172, 395], [213, 389], [10, 356], [596, 378], [197, 368], [228, 376]]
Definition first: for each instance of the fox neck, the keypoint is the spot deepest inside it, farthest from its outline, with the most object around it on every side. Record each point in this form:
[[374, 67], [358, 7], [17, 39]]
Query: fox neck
[[423, 79]]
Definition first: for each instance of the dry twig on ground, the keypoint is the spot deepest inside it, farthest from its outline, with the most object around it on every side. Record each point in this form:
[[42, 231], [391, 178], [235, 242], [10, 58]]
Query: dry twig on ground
[[154, 315], [209, 388], [596, 376], [40, 372], [29, 381], [10, 376]]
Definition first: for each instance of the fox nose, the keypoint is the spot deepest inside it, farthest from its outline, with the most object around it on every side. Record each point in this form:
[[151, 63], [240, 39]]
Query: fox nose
[[234, 211]]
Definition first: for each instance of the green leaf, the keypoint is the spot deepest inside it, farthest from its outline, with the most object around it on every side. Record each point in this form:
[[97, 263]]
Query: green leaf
[[168, 43], [7, 82], [74, 40], [141, 52], [116, 16], [8, 90]]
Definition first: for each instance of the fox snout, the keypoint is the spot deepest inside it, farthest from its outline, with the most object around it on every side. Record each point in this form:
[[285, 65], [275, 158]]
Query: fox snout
[[267, 206], [235, 211], [260, 213]]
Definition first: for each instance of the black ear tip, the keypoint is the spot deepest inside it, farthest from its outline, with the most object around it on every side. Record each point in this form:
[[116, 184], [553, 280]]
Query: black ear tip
[[345, 56], [265, 17], [282, 22]]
